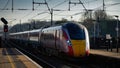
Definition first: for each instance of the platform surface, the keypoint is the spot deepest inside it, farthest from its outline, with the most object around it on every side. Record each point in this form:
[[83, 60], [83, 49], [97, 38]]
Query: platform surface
[[105, 53], [13, 58]]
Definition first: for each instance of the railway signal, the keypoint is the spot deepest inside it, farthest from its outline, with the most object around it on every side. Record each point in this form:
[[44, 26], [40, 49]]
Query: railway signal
[[4, 20], [5, 24], [5, 28]]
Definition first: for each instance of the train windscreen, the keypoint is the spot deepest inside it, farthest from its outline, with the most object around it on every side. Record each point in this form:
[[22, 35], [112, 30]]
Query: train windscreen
[[75, 31]]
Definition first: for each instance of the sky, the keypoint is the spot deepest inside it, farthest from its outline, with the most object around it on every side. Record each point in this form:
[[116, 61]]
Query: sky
[[41, 11]]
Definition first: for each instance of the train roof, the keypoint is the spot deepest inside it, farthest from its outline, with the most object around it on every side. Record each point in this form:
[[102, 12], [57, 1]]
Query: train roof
[[53, 28], [73, 24], [24, 32], [66, 25]]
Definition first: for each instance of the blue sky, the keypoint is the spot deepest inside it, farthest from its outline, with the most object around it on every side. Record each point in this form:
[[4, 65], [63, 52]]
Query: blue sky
[[26, 15]]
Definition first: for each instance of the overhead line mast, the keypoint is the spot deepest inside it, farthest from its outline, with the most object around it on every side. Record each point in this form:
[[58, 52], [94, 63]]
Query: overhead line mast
[[45, 3], [12, 6], [103, 5], [77, 3]]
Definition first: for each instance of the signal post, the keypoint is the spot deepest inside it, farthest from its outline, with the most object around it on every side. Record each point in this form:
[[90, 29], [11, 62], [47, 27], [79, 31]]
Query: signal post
[[5, 28]]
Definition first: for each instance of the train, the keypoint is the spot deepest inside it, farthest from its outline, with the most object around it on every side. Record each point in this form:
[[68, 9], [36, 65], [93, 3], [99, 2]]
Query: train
[[70, 39]]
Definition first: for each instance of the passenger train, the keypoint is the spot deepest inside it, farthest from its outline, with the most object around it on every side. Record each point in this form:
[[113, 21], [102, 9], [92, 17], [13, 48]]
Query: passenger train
[[70, 39]]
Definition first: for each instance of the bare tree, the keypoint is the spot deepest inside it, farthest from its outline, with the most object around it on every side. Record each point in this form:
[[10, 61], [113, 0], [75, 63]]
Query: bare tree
[[87, 16], [100, 14]]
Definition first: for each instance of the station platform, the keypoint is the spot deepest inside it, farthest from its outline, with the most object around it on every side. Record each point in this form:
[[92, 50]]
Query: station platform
[[105, 53], [13, 58]]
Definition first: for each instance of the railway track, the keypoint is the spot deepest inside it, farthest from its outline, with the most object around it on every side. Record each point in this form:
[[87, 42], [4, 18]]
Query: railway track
[[32, 56], [93, 61], [46, 61]]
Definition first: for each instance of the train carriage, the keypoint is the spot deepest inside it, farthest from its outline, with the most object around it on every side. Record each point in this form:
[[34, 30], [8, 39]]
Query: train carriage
[[71, 39]]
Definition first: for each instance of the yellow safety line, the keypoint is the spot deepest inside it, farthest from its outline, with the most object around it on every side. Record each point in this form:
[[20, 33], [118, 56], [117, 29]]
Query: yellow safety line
[[13, 66]]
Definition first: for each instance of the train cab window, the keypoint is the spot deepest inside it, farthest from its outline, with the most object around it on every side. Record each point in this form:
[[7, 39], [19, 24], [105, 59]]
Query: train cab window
[[75, 31], [34, 36]]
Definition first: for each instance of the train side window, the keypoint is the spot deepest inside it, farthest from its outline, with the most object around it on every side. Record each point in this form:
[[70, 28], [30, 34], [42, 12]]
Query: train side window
[[34, 36]]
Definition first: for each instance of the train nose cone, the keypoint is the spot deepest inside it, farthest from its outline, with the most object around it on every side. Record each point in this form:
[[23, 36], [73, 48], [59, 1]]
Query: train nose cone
[[78, 48]]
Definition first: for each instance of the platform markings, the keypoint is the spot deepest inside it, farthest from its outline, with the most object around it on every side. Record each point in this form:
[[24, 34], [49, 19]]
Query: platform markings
[[9, 58], [30, 59]]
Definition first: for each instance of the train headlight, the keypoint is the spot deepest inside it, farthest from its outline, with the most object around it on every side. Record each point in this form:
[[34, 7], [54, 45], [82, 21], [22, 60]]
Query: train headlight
[[69, 42]]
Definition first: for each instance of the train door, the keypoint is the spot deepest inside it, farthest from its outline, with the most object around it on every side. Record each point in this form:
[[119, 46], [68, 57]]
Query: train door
[[56, 42], [58, 39], [55, 39], [59, 43]]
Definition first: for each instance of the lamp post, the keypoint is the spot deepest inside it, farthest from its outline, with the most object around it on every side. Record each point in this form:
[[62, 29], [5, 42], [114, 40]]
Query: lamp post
[[117, 32]]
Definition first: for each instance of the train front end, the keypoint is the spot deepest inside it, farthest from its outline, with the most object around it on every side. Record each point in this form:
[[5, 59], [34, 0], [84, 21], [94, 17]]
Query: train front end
[[79, 40]]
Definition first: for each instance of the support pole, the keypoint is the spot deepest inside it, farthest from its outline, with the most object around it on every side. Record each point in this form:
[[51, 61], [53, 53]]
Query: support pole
[[12, 6], [117, 34], [51, 17]]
